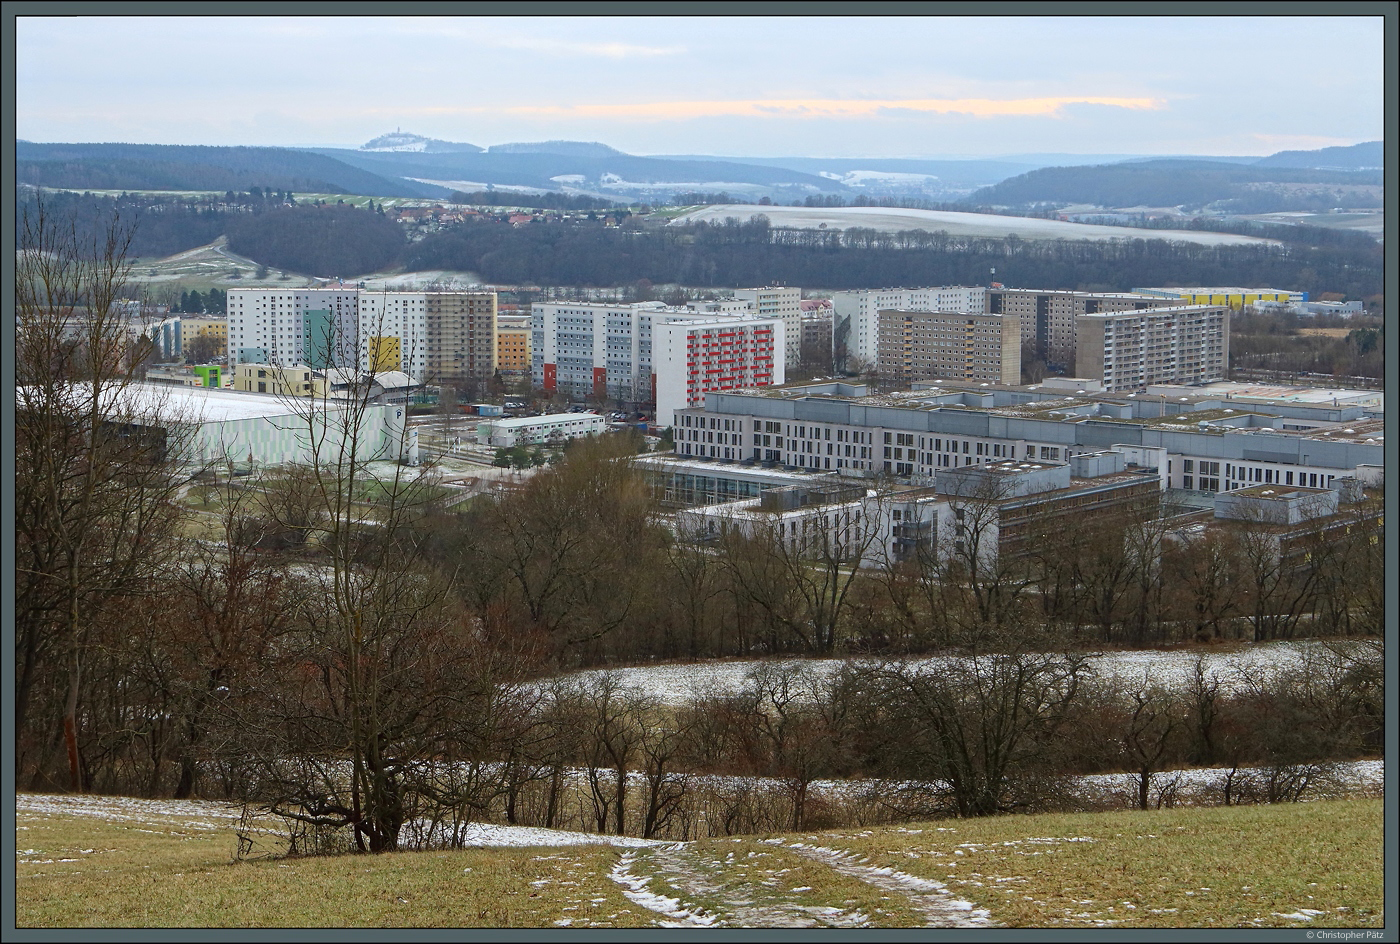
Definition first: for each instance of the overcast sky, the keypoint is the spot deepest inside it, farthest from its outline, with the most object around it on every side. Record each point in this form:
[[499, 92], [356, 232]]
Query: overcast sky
[[818, 86]]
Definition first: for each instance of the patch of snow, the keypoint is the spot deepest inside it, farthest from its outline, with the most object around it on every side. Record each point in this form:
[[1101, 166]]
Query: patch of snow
[[939, 907], [1302, 914], [956, 223], [634, 888], [490, 835], [677, 682]]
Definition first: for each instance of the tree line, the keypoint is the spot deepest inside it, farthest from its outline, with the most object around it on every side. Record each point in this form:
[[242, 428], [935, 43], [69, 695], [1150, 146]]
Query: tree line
[[338, 240], [753, 252], [544, 201]]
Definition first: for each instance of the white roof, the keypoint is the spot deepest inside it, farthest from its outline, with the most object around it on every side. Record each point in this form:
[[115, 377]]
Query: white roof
[[201, 404], [549, 419]]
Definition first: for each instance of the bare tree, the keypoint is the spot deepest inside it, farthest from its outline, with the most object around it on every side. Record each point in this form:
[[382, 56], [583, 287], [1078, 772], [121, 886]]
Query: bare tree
[[1153, 720], [94, 486], [375, 632], [982, 727], [802, 581]]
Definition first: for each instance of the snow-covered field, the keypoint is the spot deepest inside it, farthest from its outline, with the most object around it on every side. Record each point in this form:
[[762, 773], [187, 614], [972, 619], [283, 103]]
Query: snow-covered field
[[897, 219], [677, 683]]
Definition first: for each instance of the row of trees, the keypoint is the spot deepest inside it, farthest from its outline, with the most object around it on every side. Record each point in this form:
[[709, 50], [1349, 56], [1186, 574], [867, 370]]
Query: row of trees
[[1277, 343], [212, 302], [734, 253], [340, 240]]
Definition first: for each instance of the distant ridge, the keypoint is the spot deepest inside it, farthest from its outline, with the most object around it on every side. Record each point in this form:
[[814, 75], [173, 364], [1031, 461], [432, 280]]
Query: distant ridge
[[567, 148], [1254, 187], [113, 166], [405, 141], [1369, 155]]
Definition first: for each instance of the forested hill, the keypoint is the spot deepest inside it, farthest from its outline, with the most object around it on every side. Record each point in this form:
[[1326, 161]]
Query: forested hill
[[1169, 183], [538, 168], [188, 167], [1369, 154], [753, 253]]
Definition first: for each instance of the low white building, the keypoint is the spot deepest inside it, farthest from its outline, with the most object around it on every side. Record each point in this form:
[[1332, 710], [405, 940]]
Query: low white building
[[527, 430], [206, 427], [836, 519]]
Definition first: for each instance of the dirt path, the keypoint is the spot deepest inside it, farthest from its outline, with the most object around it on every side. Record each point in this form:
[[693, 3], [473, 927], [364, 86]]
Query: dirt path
[[733, 899], [738, 891], [927, 896]]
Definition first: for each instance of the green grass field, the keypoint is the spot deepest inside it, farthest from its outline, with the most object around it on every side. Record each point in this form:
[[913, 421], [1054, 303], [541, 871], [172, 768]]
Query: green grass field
[[122, 863]]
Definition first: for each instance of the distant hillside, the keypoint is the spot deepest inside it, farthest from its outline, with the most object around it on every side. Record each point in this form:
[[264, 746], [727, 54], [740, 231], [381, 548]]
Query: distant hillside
[[612, 172], [404, 141], [570, 148], [181, 167], [1370, 154], [1186, 183]]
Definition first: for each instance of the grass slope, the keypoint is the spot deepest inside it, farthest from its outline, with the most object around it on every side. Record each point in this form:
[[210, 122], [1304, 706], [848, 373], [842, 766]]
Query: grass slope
[[123, 863]]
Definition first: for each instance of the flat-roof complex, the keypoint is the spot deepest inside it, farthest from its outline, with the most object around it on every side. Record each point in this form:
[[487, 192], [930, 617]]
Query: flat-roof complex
[[1232, 295], [1198, 440]]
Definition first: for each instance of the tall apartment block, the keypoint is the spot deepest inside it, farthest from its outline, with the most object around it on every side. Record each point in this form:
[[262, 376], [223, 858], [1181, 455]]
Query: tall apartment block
[[1128, 350], [428, 335], [629, 352], [1048, 317], [942, 345], [778, 302], [513, 344], [699, 356], [816, 326], [857, 313], [461, 335], [315, 327]]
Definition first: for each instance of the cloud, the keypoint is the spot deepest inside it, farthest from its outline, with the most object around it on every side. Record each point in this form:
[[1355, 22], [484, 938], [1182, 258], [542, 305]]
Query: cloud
[[828, 108], [566, 47]]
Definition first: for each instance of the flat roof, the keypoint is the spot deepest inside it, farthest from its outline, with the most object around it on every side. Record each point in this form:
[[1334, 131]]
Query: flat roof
[[517, 422], [734, 469], [1221, 290], [1277, 491], [1006, 467], [213, 404], [1258, 391]]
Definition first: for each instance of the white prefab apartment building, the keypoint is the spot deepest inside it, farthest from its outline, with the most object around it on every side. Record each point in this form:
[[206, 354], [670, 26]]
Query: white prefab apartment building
[[424, 334], [283, 327], [1127, 350], [527, 430], [779, 302], [858, 312], [649, 353]]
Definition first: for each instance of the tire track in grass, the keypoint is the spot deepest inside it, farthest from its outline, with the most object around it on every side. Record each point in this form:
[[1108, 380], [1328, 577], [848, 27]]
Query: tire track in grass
[[734, 901], [635, 890], [930, 898]]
